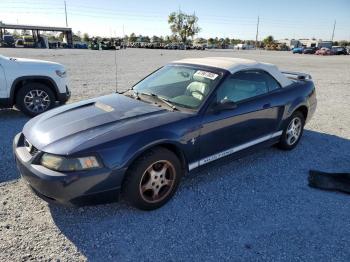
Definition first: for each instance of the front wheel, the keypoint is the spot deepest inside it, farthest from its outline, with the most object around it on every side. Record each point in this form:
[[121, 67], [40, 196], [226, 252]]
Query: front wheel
[[292, 133], [34, 99], [153, 179]]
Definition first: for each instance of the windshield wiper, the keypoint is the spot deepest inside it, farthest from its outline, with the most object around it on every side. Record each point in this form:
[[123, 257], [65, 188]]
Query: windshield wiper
[[123, 92], [134, 95], [162, 99]]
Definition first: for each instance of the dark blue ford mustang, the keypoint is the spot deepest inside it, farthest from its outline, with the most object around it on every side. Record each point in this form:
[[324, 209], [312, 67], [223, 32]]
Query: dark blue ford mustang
[[140, 143]]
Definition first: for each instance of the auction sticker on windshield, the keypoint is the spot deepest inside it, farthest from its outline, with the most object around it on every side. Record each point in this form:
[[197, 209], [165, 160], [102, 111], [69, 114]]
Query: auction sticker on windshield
[[206, 74]]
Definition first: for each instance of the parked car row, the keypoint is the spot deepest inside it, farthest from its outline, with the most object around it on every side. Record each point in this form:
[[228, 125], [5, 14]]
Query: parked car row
[[7, 41], [170, 46], [335, 50], [22, 41]]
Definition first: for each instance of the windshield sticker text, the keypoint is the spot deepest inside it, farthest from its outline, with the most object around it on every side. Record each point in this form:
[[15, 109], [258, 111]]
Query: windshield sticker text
[[206, 74]]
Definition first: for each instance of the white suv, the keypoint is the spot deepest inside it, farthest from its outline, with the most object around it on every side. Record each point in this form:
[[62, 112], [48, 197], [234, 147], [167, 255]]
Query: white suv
[[33, 86]]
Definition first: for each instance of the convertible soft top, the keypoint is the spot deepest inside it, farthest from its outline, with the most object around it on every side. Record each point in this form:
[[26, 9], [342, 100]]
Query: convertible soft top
[[236, 64]]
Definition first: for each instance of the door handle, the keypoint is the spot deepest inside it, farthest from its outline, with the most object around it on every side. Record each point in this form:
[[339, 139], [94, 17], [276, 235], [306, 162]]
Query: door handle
[[268, 105]]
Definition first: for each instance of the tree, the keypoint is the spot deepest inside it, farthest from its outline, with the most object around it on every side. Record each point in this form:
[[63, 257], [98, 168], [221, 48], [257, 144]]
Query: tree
[[235, 41], [211, 41], [269, 40], [155, 39], [167, 39], [200, 41], [183, 25], [216, 40], [132, 38], [86, 37], [344, 43], [76, 38], [174, 39]]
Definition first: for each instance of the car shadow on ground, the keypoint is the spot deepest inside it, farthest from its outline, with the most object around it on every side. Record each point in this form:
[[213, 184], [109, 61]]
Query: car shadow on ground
[[11, 123], [258, 207]]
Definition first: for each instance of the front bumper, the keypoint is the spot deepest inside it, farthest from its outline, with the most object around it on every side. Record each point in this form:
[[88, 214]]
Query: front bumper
[[64, 97], [75, 188]]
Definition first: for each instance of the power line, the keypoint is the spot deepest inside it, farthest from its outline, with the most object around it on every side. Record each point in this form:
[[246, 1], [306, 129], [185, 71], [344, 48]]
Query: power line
[[79, 10], [243, 24]]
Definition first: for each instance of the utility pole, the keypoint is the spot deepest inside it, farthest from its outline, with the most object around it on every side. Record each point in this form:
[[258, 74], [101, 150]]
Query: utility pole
[[65, 11], [123, 38], [257, 33], [335, 22]]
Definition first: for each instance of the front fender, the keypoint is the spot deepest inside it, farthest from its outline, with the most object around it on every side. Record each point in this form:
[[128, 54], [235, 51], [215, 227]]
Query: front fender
[[13, 89], [121, 153]]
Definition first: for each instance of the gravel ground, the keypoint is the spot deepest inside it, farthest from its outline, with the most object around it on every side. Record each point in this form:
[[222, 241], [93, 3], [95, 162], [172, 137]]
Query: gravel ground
[[254, 209]]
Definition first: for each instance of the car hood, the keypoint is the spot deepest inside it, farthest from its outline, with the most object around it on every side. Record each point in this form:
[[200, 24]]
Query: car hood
[[75, 127], [32, 63]]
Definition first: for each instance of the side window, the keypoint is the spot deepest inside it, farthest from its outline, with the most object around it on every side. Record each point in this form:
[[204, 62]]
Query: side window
[[246, 84], [271, 82]]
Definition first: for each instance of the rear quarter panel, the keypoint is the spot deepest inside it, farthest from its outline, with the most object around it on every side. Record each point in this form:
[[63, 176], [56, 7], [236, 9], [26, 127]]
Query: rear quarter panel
[[300, 93]]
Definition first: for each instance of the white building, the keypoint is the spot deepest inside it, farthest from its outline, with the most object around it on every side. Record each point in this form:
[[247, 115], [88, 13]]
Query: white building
[[291, 43], [244, 46]]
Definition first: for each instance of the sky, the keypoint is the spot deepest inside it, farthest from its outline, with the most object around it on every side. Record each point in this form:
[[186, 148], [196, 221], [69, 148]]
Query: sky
[[221, 18]]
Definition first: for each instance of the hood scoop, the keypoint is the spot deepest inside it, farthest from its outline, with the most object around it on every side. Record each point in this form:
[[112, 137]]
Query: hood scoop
[[104, 107]]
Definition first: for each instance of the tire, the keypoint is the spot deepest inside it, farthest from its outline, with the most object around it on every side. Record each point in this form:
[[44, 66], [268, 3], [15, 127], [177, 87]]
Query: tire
[[286, 141], [140, 186], [35, 90]]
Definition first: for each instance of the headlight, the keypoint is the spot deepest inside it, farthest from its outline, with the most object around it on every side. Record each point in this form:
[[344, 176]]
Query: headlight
[[63, 164], [61, 73]]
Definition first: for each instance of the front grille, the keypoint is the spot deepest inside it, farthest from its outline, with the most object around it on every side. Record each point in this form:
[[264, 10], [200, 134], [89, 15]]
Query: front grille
[[31, 149]]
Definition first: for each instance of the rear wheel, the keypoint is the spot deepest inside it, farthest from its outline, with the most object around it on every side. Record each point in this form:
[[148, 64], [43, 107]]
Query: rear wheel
[[153, 179], [292, 133], [34, 99]]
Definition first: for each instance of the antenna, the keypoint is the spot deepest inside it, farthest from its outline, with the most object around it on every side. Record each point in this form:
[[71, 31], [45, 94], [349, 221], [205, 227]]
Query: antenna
[[257, 33], [65, 11], [116, 69]]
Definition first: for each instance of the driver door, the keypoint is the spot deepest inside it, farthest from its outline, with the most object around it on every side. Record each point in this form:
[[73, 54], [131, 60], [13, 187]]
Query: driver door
[[252, 120]]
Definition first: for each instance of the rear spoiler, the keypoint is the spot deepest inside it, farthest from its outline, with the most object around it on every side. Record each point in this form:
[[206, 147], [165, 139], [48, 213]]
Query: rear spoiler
[[296, 75]]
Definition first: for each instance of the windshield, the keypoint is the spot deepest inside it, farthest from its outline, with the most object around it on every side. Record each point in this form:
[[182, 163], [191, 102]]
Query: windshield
[[181, 85]]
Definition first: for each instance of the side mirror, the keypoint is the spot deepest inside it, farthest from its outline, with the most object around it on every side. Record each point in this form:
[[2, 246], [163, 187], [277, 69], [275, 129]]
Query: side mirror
[[224, 104]]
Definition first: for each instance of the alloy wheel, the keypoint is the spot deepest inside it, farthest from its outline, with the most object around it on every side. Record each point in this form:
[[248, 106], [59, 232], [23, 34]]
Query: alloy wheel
[[294, 131], [37, 101], [157, 181]]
